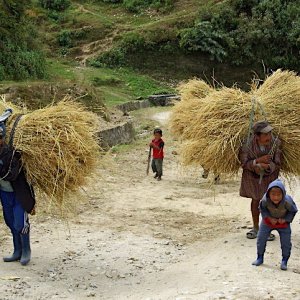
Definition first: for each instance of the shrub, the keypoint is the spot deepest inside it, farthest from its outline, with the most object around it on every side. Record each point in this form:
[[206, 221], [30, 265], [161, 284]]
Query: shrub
[[64, 39], [248, 32], [110, 59], [58, 5], [20, 64], [204, 38], [132, 42]]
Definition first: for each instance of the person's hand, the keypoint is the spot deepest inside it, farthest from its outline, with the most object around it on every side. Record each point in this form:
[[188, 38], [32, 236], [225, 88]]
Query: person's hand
[[151, 145], [265, 166], [281, 221], [273, 221], [266, 159], [257, 170]]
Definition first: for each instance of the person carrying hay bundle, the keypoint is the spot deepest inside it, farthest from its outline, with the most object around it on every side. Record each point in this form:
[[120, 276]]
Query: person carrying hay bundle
[[260, 158], [17, 199]]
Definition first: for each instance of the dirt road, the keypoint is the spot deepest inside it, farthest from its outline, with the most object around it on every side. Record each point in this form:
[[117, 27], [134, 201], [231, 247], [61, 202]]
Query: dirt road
[[136, 238]]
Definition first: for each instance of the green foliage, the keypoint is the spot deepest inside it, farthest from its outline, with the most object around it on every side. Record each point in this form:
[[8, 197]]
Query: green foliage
[[136, 6], [110, 59], [112, 1], [19, 54], [18, 63], [132, 43], [204, 38], [57, 5], [111, 80], [64, 39], [246, 32]]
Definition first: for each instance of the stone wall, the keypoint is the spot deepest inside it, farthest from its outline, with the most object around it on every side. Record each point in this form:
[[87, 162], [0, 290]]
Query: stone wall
[[133, 105], [120, 134]]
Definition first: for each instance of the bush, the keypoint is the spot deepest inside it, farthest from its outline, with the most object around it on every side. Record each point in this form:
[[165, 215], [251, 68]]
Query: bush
[[247, 32], [19, 55], [110, 59], [20, 64], [58, 5], [2, 73], [64, 39], [132, 43], [204, 38]]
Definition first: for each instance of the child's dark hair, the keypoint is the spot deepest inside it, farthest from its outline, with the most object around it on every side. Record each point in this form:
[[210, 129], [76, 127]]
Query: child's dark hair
[[157, 130]]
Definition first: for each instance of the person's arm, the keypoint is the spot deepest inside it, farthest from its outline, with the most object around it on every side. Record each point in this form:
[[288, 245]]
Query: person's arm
[[246, 162], [13, 166], [292, 210], [265, 213]]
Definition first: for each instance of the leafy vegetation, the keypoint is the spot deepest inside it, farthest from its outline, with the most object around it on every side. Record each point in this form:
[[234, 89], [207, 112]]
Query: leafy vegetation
[[57, 5], [19, 54], [136, 6], [243, 32]]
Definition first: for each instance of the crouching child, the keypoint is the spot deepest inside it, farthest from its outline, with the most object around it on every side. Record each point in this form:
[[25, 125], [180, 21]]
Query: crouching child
[[278, 211]]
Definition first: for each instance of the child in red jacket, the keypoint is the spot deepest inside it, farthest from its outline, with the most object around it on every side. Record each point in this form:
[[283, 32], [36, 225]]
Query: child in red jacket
[[157, 144]]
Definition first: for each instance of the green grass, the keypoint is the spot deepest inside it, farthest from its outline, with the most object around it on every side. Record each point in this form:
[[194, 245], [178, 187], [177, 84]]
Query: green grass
[[115, 85], [129, 84], [58, 70]]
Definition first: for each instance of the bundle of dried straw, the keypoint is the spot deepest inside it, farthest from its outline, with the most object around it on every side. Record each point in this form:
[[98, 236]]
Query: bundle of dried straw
[[59, 146], [192, 94], [216, 129]]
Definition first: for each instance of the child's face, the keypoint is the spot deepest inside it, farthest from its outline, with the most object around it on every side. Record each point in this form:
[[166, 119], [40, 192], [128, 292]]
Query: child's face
[[157, 136], [275, 195]]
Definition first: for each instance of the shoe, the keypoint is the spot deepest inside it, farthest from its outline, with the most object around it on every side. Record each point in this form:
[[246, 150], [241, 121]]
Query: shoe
[[158, 178], [283, 265], [155, 176], [217, 179], [26, 251], [205, 173], [252, 234], [17, 249], [259, 261]]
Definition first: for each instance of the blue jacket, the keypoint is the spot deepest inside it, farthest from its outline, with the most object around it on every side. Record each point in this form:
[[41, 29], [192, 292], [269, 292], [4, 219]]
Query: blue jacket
[[286, 209]]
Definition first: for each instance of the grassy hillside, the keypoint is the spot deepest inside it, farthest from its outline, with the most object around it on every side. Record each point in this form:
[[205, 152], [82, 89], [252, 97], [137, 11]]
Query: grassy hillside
[[106, 35], [126, 49]]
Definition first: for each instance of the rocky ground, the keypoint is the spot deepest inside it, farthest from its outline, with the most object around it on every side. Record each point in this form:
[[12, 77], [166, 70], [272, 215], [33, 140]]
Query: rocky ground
[[136, 238]]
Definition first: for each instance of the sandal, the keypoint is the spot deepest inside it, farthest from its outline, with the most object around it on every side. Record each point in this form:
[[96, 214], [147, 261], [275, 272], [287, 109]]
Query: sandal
[[252, 234], [271, 237]]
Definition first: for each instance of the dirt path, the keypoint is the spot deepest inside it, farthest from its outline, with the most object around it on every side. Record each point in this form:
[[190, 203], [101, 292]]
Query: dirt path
[[137, 238]]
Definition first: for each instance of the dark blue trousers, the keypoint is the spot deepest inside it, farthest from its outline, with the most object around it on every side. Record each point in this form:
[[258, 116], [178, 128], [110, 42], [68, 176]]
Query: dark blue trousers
[[15, 217], [285, 239]]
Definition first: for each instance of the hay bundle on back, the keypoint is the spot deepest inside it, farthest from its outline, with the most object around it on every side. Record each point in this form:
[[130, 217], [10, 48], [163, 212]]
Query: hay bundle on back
[[59, 147], [217, 130], [181, 114], [280, 98], [194, 88], [192, 94]]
